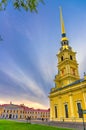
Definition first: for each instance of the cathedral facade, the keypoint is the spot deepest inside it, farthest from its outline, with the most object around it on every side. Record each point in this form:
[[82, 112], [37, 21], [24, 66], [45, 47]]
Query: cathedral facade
[[68, 97]]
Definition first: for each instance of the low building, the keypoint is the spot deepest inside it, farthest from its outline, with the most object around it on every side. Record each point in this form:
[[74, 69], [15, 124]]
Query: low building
[[12, 111]]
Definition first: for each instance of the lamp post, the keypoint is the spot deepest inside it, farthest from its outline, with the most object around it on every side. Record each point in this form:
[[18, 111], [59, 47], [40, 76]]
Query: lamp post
[[83, 123], [82, 112]]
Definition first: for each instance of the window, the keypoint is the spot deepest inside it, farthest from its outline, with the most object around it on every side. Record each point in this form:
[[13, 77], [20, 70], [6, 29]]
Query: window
[[71, 57], [20, 111], [73, 71], [10, 111], [63, 72], [61, 58], [79, 110], [3, 116], [66, 111], [16, 116], [6, 116], [55, 111]]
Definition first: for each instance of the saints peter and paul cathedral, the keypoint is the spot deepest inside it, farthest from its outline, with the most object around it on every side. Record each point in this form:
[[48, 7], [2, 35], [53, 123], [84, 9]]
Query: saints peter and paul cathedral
[[68, 96]]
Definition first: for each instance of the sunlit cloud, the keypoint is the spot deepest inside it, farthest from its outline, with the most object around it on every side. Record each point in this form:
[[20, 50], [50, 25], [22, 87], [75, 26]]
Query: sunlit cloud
[[32, 89]]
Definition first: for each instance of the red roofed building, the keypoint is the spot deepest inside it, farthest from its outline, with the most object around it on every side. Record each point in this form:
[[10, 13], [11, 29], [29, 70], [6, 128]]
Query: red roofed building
[[13, 111]]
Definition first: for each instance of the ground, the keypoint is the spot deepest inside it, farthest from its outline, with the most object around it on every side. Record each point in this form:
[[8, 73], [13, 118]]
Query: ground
[[13, 125]]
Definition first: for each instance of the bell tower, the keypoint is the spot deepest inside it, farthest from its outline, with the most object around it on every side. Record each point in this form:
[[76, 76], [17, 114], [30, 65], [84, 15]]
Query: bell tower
[[67, 64]]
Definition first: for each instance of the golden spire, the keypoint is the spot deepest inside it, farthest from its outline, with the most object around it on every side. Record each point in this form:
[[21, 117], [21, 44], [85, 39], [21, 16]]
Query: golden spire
[[62, 27], [62, 22]]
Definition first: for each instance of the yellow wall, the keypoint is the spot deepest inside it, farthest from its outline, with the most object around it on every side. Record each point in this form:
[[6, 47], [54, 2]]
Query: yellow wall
[[70, 97]]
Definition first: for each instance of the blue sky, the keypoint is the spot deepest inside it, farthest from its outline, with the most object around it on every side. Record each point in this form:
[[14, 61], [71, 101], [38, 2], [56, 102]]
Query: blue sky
[[28, 52]]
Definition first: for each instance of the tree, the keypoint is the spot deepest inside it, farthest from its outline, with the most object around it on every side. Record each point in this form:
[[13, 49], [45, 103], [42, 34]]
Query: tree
[[19, 4]]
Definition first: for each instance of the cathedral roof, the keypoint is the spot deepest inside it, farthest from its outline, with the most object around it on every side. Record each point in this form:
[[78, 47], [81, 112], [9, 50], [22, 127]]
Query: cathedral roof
[[69, 85]]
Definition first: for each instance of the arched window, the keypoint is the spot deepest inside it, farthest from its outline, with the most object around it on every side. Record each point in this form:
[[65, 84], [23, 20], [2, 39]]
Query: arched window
[[63, 72], [71, 57], [66, 110], [79, 110], [55, 111], [73, 71], [61, 58]]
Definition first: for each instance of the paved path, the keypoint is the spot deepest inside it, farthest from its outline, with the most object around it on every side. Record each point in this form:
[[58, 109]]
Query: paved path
[[74, 125]]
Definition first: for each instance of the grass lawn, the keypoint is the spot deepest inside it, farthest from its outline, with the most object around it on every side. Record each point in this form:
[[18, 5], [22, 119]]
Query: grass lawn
[[12, 125]]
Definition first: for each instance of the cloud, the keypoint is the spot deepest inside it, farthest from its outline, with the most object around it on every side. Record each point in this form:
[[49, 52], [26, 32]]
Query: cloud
[[20, 85], [21, 78]]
